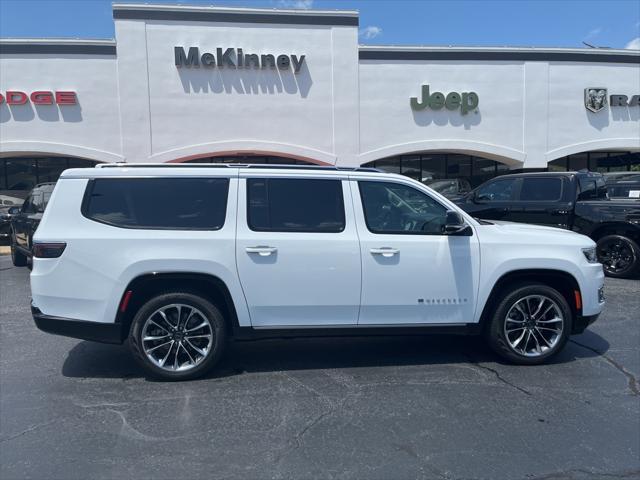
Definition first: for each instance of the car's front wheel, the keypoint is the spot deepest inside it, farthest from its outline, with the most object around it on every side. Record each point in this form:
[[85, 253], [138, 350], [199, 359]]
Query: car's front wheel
[[177, 336], [530, 324], [619, 255]]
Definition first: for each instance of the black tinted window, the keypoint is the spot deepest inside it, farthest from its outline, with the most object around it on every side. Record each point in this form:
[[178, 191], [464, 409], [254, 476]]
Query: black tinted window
[[46, 198], [28, 206], [497, 191], [396, 208], [163, 203], [540, 189], [592, 188], [295, 205]]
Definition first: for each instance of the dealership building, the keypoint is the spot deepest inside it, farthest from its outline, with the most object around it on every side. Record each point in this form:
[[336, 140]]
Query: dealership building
[[205, 84]]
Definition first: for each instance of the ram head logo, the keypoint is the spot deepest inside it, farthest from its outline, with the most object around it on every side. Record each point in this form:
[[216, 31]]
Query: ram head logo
[[595, 98]]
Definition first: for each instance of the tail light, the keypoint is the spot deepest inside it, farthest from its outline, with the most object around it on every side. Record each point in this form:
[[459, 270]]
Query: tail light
[[49, 249]]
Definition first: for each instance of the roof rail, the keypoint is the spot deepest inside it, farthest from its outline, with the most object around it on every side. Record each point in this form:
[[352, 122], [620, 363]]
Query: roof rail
[[237, 165]]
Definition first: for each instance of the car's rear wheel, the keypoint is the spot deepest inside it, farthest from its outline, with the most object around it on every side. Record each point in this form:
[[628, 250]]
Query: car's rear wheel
[[18, 258], [530, 324], [177, 336], [619, 255]]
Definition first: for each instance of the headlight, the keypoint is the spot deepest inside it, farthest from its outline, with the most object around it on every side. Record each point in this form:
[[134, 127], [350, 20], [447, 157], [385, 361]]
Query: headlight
[[590, 254]]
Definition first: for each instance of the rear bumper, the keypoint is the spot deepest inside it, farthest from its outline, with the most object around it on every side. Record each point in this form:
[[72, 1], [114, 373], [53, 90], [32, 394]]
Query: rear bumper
[[581, 322], [67, 327]]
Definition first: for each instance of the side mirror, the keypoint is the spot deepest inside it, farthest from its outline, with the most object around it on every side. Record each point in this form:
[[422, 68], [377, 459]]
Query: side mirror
[[455, 225], [14, 210]]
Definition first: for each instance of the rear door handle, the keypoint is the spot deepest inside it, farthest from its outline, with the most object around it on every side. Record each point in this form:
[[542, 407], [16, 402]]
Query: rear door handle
[[385, 251], [261, 250]]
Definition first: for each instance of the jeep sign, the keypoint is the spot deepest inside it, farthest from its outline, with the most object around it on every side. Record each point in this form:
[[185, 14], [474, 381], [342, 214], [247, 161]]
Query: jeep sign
[[465, 101]]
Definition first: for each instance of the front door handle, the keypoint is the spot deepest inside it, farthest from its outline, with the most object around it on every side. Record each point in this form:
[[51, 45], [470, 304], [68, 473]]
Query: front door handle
[[261, 250], [385, 251]]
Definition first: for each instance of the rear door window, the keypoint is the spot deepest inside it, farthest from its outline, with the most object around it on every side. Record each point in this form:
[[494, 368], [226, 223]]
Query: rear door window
[[158, 203], [592, 188], [541, 189], [295, 205]]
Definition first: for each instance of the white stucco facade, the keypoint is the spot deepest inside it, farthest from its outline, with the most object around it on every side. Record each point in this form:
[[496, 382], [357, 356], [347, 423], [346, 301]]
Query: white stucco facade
[[347, 104]]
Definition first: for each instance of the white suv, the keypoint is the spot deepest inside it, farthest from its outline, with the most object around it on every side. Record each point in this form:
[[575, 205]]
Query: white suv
[[178, 259]]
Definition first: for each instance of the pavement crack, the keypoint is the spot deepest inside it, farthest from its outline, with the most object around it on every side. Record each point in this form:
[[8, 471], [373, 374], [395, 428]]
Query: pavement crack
[[498, 376], [28, 430], [631, 378]]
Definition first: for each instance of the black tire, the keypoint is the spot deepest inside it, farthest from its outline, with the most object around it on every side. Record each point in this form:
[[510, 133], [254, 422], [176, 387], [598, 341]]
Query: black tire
[[497, 337], [212, 314], [619, 255], [18, 258]]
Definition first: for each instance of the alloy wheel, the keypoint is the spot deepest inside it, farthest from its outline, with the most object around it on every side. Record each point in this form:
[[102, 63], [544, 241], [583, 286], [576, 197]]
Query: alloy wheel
[[533, 325], [177, 337], [616, 255]]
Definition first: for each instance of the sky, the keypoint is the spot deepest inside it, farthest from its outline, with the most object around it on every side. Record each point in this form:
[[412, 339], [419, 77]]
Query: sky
[[531, 23]]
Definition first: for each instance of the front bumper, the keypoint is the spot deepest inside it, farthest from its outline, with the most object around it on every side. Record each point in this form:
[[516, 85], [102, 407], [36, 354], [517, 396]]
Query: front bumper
[[67, 327], [581, 323]]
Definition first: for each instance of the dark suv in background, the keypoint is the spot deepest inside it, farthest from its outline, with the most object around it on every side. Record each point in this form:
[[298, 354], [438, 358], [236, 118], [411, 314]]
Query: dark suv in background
[[6, 202], [24, 221], [575, 201]]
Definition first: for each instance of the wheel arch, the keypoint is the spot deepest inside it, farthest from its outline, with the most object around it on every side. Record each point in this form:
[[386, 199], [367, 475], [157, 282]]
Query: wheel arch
[[564, 282], [149, 285], [618, 228]]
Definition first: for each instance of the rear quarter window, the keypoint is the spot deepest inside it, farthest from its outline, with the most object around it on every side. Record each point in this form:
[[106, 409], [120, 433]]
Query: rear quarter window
[[158, 203], [541, 189]]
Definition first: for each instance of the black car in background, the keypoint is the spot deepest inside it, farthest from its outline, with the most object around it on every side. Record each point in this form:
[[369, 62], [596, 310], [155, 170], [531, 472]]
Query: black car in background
[[24, 222], [623, 185], [6, 202], [575, 201]]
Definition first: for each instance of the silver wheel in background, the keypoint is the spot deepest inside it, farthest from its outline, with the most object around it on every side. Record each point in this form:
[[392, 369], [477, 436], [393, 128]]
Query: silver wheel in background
[[533, 325], [177, 337]]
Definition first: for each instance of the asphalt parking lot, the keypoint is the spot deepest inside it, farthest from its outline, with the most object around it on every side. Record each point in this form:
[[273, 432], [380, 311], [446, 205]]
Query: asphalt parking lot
[[402, 407]]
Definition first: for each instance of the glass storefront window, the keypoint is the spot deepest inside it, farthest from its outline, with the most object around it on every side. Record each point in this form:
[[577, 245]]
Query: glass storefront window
[[21, 174], [559, 165], [477, 170], [618, 162], [595, 161], [389, 165], [579, 161], [410, 166], [434, 166], [458, 166], [483, 170], [18, 175], [49, 169]]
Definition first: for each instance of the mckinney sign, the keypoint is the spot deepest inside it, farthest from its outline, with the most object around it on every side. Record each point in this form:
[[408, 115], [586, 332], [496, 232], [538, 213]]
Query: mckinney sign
[[235, 58], [465, 101]]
